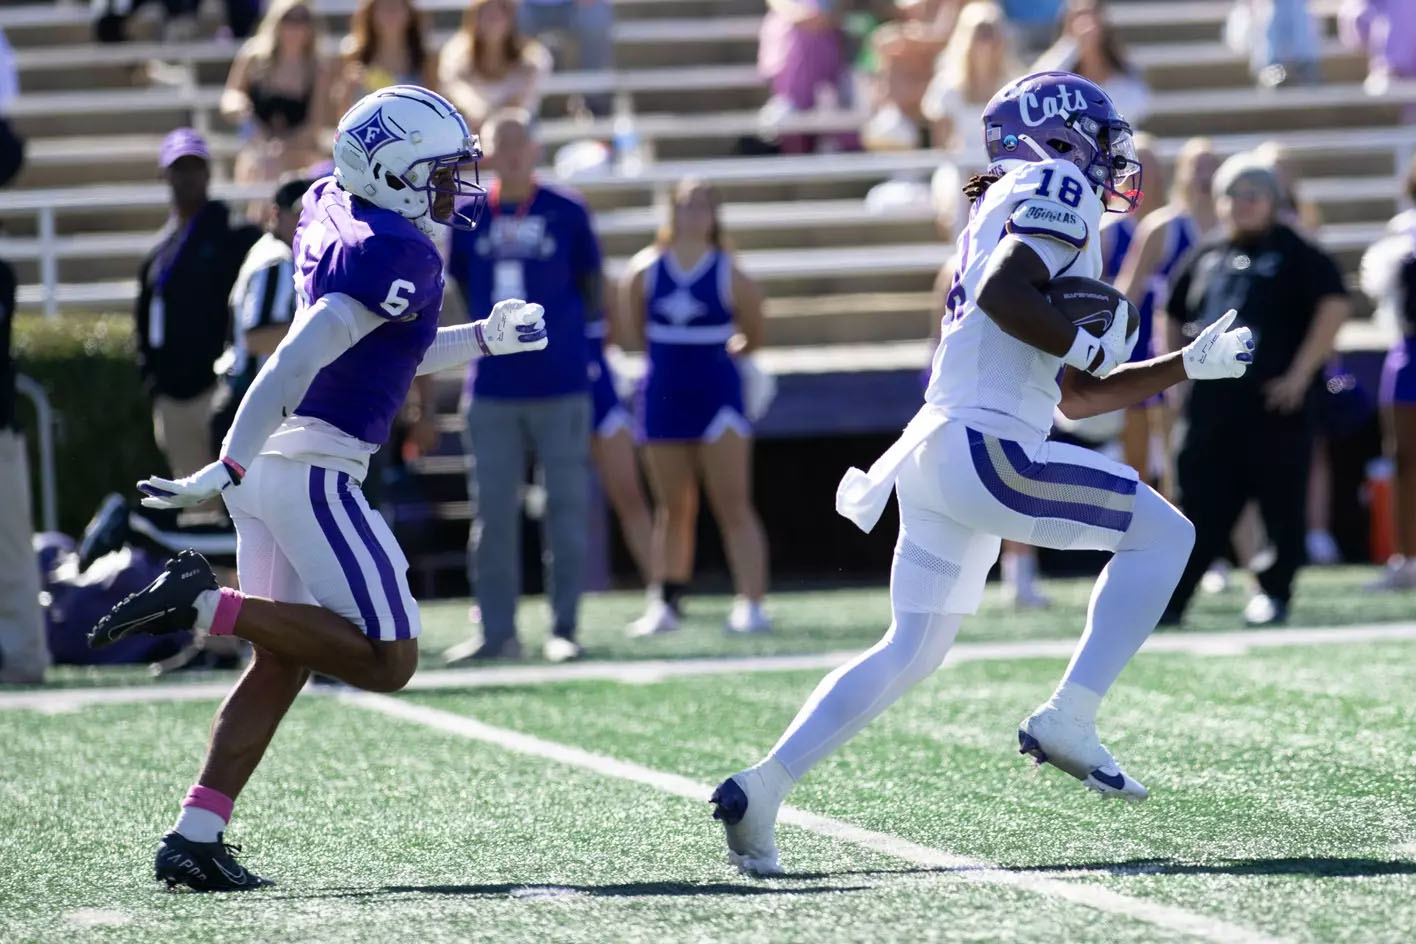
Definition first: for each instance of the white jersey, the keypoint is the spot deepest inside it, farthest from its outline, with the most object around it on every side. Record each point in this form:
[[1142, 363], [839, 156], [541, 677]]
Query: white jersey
[[982, 375]]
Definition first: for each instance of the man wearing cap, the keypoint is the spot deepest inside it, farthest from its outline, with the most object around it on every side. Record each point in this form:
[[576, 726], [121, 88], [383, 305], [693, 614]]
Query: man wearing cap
[[262, 301], [181, 311], [1253, 439]]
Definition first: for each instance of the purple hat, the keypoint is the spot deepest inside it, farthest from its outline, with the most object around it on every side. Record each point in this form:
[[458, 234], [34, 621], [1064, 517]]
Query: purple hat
[[182, 142]]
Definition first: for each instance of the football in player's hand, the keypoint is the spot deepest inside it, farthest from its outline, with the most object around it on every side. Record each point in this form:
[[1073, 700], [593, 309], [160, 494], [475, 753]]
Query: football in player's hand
[[1090, 304]]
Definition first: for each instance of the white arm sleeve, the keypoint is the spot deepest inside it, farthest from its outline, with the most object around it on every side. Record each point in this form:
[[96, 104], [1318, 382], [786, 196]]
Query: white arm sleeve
[[322, 332], [453, 346]]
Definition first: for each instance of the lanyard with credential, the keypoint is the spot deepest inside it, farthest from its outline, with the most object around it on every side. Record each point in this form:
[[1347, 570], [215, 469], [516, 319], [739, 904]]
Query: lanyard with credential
[[508, 275], [157, 310]]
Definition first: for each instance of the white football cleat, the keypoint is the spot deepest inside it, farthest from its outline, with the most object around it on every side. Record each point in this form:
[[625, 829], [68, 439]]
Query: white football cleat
[[746, 804], [747, 617], [1052, 736], [658, 618]]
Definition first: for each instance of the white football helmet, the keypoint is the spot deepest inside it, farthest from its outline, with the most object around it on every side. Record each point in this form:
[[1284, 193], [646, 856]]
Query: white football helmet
[[403, 147]]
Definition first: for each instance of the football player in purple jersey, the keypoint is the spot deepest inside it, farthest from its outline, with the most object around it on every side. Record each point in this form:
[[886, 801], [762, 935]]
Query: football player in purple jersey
[[324, 585]]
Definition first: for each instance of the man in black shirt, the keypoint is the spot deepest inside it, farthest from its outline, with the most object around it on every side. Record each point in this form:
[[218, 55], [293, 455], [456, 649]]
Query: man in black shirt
[[24, 654], [181, 315], [1251, 439]]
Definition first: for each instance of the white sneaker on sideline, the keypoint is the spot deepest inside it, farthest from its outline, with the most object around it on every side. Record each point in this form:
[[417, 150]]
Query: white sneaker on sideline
[[746, 804], [1216, 579], [747, 617], [658, 618], [1068, 743], [560, 649], [1399, 574], [1027, 598]]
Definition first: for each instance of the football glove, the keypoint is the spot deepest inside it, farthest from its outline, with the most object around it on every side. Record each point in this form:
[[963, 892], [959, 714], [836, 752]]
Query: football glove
[[1218, 352], [513, 326], [203, 485], [1116, 344]]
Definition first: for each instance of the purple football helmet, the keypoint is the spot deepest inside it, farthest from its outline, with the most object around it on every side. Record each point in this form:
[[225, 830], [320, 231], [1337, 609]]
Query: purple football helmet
[[1061, 116]]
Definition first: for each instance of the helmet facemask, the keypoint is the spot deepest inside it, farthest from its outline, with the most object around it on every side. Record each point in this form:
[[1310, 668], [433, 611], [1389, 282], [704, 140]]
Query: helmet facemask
[[440, 180], [1114, 168]]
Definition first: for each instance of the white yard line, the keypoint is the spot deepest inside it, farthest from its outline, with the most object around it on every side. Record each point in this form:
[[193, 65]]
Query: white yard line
[[1170, 917], [648, 671]]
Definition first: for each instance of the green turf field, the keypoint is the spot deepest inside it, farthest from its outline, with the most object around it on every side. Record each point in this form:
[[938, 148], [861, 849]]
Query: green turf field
[[1283, 801]]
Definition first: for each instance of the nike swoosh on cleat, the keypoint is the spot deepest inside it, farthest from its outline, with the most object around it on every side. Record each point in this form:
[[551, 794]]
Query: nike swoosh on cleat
[[1114, 781], [239, 878], [147, 619]]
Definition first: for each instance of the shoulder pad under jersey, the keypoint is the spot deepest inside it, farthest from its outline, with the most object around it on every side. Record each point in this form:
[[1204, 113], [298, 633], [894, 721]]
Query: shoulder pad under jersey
[[1040, 217]]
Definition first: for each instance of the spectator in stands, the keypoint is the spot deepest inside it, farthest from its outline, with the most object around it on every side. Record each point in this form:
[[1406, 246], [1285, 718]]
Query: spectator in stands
[[977, 62], [1090, 47], [276, 90], [697, 312], [1161, 242], [1386, 31], [535, 242], [262, 302], [588, 22], [1252, 439], [110, 18], [181, 313], [1034, 22], [905, 52], [24, 654], [1280, 37], [801, 54], [386, 45], [487, 65], [1389, 279]]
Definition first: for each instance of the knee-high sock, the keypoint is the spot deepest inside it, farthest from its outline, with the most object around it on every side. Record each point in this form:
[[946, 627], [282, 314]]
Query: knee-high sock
[[850, 697], [1131, 593]]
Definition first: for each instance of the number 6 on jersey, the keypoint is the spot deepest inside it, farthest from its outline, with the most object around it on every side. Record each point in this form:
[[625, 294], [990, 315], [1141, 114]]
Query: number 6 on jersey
[[394, 303]]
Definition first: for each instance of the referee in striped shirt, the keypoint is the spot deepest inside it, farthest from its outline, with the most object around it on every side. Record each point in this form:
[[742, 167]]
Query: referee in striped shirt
[[262, 303]]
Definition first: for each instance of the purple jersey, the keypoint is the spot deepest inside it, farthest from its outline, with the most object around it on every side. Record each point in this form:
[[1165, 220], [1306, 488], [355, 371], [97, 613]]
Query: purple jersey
[[349, 246]]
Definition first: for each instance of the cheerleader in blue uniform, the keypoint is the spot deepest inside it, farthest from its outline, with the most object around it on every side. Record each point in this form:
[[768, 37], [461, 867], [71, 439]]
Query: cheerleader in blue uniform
[[1161, 242], [697, 312], [612, 445]]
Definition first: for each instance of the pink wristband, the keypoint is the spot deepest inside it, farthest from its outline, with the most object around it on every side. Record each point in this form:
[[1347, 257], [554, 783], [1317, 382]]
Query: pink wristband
[[481, 341]]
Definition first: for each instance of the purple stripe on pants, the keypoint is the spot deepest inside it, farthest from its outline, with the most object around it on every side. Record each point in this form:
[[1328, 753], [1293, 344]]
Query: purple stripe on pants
[[379, 555], [342, 551]]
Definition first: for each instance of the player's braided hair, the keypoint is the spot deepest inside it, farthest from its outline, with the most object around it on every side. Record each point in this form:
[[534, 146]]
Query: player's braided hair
[[978, 185]]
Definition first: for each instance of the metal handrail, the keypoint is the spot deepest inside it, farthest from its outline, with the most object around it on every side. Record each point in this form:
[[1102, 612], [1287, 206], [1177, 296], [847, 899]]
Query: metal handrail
[[44, 419]]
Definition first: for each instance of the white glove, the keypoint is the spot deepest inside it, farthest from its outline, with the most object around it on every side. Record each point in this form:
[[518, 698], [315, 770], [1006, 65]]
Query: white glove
[[1218, 352], [1116, 344], [513, 326], [759, 387], [204, 484]]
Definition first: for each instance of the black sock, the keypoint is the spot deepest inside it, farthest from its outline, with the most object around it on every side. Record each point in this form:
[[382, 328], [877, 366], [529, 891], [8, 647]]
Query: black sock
[[672, 595]]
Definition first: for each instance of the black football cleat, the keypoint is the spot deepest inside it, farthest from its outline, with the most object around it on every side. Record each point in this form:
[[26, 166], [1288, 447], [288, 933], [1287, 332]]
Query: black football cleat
[[163, 606], [204, 866]]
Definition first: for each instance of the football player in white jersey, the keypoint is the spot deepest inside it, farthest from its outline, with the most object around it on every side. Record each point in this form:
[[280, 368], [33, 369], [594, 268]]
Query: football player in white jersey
[[975, 466]]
